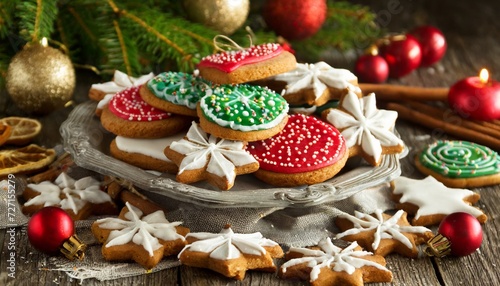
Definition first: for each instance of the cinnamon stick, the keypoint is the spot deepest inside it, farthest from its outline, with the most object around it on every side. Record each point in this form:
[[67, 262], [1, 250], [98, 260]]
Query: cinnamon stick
[[390, 92], [431, 121]]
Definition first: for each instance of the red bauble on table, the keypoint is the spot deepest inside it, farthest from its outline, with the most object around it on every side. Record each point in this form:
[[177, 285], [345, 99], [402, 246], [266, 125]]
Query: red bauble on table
[[295, 19], [371, 69], [51, 230], [432, 43], [476, 98], [403, 55]]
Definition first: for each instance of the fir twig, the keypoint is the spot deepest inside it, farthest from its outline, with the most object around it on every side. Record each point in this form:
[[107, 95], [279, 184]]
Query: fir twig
[[35, 26], [123, 47]]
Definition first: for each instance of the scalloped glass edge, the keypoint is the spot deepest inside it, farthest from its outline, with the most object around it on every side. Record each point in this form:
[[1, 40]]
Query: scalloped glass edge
[[82, 133]]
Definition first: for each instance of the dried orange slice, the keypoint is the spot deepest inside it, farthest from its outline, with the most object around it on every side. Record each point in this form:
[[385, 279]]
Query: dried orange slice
[[25, 160], [5, 131], [23, 129]]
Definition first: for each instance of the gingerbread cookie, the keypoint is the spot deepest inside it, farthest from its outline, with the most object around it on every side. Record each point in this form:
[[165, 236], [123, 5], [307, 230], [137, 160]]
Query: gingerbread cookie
[[201, 156], [230, 254], [129, 116], [145, 153], [460, 164], [243, 112], [368, 130], [79, 198], [315, 84], [143, 239], [430, 201], [328, 264], [245, 65], [176, 92], [383, 234], [306, 152], [120, 82]]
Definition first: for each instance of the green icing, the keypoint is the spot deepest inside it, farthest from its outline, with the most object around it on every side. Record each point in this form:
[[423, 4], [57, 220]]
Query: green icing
[[460, 159], [179, 88], [244, 107]]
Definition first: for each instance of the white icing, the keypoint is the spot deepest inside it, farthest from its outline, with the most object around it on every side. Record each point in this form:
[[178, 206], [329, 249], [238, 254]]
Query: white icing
[[120, 82], [319, 77], [228, 245], [433, 197], [363, 124], [105, 100], [220, 156], [140, 230], [149, 147], [68, 193], [333, 257], [384, 229]]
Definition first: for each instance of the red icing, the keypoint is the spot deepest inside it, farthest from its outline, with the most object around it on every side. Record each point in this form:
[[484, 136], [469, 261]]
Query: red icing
[[128, 104], [231, 60], [305, 144]]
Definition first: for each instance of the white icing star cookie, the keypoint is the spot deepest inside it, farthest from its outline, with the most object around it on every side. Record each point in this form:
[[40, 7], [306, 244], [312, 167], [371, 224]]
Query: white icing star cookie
[[201, 156], [121, 81], [368, 130], [229, 253], [430, 200]]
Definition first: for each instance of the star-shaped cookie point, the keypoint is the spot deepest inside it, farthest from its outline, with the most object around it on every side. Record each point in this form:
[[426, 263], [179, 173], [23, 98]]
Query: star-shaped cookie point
[[383, 234], [328, 264], [430, 200], [201, 156], [229, 253], [143, 239], [367, 129]]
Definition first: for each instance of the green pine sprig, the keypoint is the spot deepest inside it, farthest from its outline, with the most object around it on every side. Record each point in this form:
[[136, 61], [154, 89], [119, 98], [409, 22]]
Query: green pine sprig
[[37, 18]]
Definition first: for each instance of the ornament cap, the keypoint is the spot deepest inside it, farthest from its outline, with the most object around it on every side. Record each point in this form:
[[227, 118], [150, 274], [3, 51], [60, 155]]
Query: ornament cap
[[73, 248], [438, 246]]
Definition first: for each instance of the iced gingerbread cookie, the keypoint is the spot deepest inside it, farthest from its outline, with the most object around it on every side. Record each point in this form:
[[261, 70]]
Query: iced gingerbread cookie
[[129, 116], [306, 152], [383, 234], [368, 130], [429, 201], [314, 84], [176, 92], [327, 264], [243, 112], [230, 254], [201, 156], [460, 164], [121, 81], [145, 153], [143, 239], [245, 65], [79, 198]]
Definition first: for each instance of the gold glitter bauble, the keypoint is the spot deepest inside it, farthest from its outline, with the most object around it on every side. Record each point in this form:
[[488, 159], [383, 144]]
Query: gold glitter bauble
[[40, 79], [224, 16]]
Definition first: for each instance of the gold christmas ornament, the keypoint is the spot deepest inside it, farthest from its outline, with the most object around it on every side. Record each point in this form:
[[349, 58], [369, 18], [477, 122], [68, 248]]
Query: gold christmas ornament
[[224, 16], [40, 79]]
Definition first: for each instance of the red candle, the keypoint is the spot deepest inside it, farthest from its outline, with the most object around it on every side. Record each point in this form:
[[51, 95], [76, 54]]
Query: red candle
[[476, 97]]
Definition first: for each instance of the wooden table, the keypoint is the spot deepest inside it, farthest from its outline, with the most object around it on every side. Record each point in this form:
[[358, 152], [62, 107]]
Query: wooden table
[[473, 32]]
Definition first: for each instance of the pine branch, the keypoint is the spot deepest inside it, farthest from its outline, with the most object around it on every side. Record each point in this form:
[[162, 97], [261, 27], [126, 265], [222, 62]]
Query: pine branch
[[37, 18], [7, 11]]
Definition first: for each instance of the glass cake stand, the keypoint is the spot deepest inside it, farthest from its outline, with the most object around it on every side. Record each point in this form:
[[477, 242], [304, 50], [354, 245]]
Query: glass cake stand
[[88, 143]]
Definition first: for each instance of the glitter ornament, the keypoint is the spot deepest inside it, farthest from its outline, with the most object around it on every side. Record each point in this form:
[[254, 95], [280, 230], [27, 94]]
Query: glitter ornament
[[40, 79], [224, 16]]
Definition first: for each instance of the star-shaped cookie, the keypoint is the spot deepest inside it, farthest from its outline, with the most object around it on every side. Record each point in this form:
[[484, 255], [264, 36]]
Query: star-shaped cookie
[[229, 253], [328, 264], [430, 200], [368, 130], [143, 239], [383, 234]]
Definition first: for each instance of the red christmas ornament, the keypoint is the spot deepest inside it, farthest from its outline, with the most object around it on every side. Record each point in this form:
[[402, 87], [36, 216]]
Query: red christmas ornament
[[51, 230], [295, 19], [403, 55], [432, 43], [459, 234], [476, 97], [371, 68]]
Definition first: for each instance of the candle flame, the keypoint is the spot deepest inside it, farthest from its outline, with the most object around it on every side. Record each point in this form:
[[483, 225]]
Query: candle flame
[[484, 75], [44, 42]]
